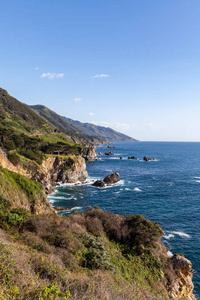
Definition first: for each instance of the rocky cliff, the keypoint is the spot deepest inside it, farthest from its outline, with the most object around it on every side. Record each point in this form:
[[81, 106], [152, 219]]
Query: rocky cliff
[[90, 154], [182, 286], [55, 168]]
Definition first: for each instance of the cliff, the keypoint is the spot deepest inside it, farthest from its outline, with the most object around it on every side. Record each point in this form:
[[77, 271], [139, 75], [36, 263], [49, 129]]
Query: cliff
[[54, 168], [182, 286]]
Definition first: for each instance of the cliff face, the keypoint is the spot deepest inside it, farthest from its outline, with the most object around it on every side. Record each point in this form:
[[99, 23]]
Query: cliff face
[[182, 287], [52, 170], [90, 154]]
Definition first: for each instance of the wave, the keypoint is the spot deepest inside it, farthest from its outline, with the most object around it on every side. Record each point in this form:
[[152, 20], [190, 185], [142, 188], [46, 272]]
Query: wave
[[137, 190], [171, 234], [182, 234], [168, 236], [53, 199]]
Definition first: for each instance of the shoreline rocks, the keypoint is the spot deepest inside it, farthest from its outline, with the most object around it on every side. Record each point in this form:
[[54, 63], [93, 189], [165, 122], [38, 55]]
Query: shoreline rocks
[[108, 180], [109, 153]]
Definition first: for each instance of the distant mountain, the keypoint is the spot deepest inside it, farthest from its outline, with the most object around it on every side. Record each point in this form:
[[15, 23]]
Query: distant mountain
[[106, 133], [38, 119], [63, 124]]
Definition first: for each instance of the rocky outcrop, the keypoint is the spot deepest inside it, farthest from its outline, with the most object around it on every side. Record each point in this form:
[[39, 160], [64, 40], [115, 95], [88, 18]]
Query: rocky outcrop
[[53, 169], [99, 183], [109, 153], [132, 157], [89, 154], [108, 180], [112, 178], [145, 158], [73, 171], [182, 287], [148, 159]]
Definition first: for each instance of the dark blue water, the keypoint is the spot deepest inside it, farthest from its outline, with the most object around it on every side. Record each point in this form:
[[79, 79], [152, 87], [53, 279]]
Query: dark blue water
[[166, 191]]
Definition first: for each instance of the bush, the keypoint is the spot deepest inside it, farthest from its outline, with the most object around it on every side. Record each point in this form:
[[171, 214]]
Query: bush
[[97, 256], [13, 158]]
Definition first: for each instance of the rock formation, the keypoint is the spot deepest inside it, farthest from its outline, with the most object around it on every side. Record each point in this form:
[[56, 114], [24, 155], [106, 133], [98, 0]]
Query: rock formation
[[182, 287], [108, 180], [146, 158], [90, 154], [109, 153], [53, 169]]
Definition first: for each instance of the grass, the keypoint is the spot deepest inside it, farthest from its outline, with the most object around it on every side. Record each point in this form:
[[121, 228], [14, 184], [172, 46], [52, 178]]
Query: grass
[[21, 191], [62, 259]]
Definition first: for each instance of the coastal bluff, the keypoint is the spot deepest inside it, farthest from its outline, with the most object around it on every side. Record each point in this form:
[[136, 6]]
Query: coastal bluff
[[54, 169]]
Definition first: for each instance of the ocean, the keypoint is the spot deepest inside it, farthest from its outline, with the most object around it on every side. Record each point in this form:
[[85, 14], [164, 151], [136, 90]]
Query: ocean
[[165, 190]]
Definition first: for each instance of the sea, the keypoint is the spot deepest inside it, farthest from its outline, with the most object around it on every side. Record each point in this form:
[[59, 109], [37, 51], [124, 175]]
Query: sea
[[165, 190]]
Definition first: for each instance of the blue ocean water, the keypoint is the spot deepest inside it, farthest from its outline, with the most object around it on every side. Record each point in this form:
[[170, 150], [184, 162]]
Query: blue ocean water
[[166, 190]]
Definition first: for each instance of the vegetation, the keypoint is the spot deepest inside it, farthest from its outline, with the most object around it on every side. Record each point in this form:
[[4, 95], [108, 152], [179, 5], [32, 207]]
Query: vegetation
[[92, 255], [22, 192]]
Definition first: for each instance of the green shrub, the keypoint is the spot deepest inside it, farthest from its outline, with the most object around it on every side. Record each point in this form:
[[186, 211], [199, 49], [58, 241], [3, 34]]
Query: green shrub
[[13, 158], [97, 256]]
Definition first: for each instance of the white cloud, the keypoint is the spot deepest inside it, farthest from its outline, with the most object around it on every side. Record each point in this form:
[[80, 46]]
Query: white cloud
[[101, 76], [77, 99], [91, 114], [114, 125], [52, 75]]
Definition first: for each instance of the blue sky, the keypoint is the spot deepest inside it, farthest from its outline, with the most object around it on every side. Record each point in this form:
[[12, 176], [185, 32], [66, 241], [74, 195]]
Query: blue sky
[[131, 65]]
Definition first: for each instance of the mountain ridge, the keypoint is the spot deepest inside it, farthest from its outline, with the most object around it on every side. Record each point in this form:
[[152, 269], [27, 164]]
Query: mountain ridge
[[63, 123]]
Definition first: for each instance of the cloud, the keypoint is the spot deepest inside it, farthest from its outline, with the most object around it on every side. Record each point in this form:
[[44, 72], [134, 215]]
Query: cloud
[[114, 125], [77, 99], [52, 75], [101, 76], [91, 114], [36, 68]]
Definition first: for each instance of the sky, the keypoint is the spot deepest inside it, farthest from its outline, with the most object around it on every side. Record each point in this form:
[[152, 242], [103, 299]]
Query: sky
[[130, 65]]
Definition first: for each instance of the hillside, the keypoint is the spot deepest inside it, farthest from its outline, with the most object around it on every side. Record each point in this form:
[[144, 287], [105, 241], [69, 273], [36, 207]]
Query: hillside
[[96, 255], [84, 129], [15, 114], [21, 118], [110, 135]]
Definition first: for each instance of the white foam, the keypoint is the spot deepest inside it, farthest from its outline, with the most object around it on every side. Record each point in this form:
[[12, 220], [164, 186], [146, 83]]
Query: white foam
[[197, 181], [182, 234], [171, 234], [137, 190], [168, 236], [76, 207], [127, 189], [197, 177], [170, 254], [52, 198]]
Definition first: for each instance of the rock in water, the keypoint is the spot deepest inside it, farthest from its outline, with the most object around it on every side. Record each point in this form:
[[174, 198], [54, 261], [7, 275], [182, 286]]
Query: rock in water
[[108, 180], [146, 158], [112, 178], [99, 183], [109, 153]]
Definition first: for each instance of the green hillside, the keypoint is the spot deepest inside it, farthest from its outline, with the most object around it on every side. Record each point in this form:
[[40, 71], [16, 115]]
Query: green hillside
[[15, 114]]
